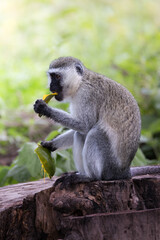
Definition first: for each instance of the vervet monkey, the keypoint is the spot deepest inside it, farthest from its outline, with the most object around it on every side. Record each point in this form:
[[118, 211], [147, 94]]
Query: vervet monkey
[[104, 121]]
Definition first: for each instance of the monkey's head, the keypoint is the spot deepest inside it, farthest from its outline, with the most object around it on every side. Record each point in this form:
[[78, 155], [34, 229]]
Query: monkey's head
[[65, 76]]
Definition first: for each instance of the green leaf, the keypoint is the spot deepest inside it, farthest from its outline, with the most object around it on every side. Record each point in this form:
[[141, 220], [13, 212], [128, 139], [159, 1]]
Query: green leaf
[[52, 135], [28, 158], [64, 160], [48, 162], [3, 174], [148, 120], [19, 173], [155, 126], [139, 159]]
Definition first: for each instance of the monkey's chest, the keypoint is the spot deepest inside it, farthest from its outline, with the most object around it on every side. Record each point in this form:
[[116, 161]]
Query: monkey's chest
[[84, 113]]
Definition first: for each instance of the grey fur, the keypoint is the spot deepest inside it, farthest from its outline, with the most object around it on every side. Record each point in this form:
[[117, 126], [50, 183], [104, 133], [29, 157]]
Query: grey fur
[[105, 121]]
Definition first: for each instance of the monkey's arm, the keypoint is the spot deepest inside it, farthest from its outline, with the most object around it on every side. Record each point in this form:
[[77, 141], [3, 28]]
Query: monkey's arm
[[59, 116], [62, 141]]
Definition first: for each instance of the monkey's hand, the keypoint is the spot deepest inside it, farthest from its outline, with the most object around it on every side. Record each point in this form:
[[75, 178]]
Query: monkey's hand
[[41, 107], [49, 145]]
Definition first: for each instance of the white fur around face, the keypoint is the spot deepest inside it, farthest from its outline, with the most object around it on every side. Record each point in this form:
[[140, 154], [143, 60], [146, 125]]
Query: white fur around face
[[52, 70], [71, 80]]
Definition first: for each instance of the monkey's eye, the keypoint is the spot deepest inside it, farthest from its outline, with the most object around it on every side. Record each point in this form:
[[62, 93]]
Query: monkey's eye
[[79, 69], [55, 76]]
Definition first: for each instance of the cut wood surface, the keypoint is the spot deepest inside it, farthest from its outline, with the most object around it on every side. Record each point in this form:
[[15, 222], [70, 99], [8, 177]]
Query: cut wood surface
[[123, 210], [15, 194]]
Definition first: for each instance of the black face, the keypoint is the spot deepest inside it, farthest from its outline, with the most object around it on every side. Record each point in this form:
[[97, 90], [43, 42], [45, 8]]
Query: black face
[[55, 85]]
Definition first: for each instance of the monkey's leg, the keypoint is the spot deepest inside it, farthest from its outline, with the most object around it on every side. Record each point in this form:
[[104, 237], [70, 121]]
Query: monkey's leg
[[62, 141], [99, 158], [68, 179], [77, 151]]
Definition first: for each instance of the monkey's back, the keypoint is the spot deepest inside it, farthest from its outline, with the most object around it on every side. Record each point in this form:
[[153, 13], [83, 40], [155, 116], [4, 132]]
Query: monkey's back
[[118, 114]]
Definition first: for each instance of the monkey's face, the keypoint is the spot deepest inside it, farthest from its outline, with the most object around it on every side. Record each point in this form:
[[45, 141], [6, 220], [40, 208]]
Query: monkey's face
[[65, 79], [55, 83]]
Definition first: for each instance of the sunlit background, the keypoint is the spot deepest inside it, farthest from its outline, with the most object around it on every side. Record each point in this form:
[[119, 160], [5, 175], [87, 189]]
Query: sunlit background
[[120, 39]]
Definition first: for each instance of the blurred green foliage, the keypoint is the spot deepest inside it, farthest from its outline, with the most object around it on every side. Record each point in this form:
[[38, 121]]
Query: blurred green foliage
[[27, 166], [118, 39]]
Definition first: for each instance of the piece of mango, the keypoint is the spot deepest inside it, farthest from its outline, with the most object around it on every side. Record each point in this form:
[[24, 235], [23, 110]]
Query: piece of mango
[[48, 97], [45, 158]]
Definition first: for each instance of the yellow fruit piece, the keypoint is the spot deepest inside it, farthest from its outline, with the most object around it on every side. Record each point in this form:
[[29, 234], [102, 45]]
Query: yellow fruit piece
[[47, 161], [48, 97]]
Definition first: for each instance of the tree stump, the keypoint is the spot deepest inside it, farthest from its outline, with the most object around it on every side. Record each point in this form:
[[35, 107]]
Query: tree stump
[[100, 210]]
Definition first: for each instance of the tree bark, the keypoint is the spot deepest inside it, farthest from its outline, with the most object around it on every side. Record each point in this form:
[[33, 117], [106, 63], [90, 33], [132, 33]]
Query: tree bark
[[122, 209]]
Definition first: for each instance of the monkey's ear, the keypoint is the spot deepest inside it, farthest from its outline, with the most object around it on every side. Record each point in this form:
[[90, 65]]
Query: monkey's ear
[[79, 68]]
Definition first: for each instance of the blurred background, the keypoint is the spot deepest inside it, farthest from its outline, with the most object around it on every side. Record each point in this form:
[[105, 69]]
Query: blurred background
[[120, 39]]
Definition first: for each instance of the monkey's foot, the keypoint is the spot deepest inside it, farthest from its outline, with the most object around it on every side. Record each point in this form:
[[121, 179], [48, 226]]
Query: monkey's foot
[[72, 178]]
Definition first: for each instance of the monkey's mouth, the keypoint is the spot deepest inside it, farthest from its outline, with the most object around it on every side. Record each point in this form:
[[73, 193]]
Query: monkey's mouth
[[56, 87], [59, 97]]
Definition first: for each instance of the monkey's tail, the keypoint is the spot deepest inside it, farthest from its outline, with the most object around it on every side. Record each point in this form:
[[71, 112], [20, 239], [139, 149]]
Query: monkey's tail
[[137, 171]]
